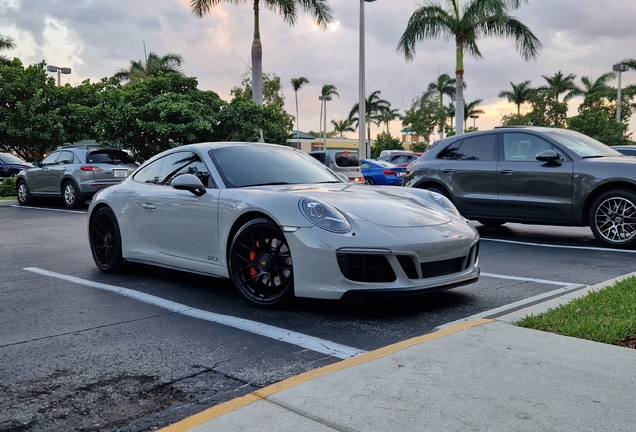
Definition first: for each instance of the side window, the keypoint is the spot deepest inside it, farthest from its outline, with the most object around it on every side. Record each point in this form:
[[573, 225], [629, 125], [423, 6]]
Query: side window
[[181, 163], [66, 157], [50, 159], [450, 152], [364, 165], [524, 147], [150, 173], [480, 148]]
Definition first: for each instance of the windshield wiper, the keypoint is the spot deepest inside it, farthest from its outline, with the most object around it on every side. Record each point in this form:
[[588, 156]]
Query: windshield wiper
[[267, 184]]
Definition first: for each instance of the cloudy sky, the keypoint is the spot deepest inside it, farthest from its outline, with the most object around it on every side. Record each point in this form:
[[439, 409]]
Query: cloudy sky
[[95, 38]]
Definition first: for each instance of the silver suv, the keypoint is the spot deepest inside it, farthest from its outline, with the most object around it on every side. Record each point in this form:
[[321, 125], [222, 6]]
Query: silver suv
[[74, 173]]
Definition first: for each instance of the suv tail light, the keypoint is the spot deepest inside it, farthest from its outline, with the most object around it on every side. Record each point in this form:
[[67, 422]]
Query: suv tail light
[[90, 168]]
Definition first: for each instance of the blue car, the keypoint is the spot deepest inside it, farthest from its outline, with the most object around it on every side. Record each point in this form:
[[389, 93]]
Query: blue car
[[381, 172], [11, 165]]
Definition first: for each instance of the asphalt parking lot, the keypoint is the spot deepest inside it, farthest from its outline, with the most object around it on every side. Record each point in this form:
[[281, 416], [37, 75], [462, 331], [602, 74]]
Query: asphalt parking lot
[[82, 349]]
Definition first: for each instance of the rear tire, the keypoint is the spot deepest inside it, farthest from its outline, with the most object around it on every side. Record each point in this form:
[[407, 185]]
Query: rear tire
[[369, 181], [613, 218], [70, 195]]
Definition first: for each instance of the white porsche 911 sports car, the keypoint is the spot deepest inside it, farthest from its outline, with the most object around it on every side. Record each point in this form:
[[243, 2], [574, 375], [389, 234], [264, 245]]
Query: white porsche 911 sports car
[[280, 224]]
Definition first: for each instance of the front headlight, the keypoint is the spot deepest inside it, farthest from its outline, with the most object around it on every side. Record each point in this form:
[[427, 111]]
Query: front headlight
[[444, 203], [324, 215]]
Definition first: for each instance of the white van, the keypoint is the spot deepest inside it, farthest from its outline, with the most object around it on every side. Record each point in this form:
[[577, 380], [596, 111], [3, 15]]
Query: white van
[[345, 162]]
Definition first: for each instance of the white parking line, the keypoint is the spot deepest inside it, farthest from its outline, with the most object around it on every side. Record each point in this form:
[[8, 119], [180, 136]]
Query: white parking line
[[559, 246], [50, 209], [541, 281], [283, 335]]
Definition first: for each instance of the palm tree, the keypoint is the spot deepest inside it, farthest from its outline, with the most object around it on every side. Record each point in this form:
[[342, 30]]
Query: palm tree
[[597, 86], [450, 112], [470, 109], [389, 114], [297, 83], [374, 106], [476, 19], [287, 8], [630, 63], [327, 90], [342, 126], [520, 94], [153, 66], [560, 84], [445, 85], [6, 43]]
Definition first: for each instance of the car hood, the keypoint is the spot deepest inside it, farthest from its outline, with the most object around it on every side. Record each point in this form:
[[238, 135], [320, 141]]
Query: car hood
[[383, 205]]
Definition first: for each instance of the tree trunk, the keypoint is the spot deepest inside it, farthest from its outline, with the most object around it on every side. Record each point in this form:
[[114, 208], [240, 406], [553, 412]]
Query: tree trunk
[[257, 64], [459, 91]]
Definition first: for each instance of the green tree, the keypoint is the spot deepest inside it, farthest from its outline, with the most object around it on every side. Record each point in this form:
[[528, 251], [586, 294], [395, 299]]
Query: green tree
[[559, 84], [424, 115], [546, 110], [152, 67], [470, 109], [297, 84], [287, 8], [30, 119], [597, 122], [6, 43], [520, 94], [374, 106], [272, 90], [444, 85], [384, 141], [630, 63], [466, 24], [342, 126], [327, 90]]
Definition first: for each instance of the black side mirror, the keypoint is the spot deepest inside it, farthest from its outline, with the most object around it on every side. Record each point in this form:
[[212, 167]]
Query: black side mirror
[[549, 156], [190, 183]]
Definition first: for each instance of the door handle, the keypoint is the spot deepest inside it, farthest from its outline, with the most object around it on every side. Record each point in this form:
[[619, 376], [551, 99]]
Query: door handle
[[148, 206], [507, 172], [448, 170]]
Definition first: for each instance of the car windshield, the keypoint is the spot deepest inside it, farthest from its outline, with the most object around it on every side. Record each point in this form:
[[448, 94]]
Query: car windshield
[[580, 144], [258, 165], [8, 158]]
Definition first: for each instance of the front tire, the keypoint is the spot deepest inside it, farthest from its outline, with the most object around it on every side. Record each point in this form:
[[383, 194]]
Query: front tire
[[261, 264], [105, 241], [613, 218], [70, 195], [23, 193]]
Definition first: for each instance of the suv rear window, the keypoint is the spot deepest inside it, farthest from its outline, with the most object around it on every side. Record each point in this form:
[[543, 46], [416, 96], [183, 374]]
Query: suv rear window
[[346, 159], [115, 157]]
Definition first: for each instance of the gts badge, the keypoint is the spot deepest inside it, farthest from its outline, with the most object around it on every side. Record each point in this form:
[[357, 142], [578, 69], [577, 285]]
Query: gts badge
[[213, 259]]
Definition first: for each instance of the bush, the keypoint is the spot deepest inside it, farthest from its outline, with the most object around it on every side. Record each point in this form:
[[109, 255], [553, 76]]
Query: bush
[[7, 187]]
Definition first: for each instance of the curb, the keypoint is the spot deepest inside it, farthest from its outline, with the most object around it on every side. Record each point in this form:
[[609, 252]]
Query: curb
[[8, 202]]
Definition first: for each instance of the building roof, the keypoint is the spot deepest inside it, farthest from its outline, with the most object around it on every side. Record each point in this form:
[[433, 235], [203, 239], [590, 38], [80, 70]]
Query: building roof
[[301, 135]]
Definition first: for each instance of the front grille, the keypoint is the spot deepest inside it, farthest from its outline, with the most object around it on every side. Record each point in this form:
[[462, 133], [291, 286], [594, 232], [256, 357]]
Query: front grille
[[365, 267], [444, 267]]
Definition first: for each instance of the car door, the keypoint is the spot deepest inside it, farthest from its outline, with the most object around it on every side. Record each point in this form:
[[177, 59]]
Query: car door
[[52, 182], [469, 171], [177, 223], [532, 190], [39, 179]]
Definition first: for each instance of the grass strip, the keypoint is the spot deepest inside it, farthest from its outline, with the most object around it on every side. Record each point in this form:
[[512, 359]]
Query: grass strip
[[607, 315]]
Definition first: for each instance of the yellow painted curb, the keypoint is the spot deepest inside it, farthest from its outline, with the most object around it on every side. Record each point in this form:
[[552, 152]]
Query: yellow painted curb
[[226, 407]]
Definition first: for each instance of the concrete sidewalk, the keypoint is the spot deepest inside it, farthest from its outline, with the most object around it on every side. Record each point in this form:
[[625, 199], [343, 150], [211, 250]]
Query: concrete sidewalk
[[483, 374]]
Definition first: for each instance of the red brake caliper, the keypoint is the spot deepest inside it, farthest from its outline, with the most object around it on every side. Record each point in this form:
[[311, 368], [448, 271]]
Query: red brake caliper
[[254, 270]]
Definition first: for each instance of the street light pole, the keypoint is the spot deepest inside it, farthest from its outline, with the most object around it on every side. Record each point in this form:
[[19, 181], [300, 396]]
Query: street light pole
[[619, 67], [474, 117], [362, 110], [59, 70], [324, 100]]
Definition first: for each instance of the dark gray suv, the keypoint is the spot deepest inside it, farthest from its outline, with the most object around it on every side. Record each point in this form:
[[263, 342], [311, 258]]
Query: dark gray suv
[[74, 173], [534, 175]]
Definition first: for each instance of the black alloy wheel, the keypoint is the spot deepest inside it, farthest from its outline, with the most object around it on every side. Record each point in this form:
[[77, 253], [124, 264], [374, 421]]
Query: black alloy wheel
[[261, 264], [23, 193], [70, 195], [105, 241], [613, 218]]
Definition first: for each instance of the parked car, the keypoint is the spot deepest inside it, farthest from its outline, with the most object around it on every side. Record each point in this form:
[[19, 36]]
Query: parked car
[[287, 226], [537, 176], [11, 165], [74, 173], [628, 150], [402, 159], [342, 161], [381, 172]]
